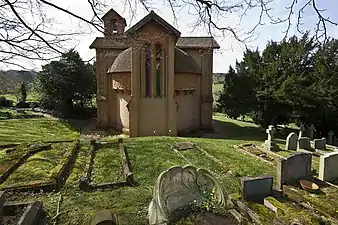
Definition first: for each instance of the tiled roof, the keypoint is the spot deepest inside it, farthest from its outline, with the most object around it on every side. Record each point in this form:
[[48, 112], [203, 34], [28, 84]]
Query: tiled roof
[[197, 42], [153, 16], [111, 43]]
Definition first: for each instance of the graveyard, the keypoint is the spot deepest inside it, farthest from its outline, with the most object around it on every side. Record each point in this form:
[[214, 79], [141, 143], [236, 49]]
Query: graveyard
[[51, 172]]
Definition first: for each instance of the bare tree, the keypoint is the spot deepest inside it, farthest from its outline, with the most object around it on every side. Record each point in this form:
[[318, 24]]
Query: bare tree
[[27, 32]]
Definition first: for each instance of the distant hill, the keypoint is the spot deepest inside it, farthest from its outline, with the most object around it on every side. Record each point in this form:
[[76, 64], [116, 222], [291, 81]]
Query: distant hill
[[11, 79], [218, 78]]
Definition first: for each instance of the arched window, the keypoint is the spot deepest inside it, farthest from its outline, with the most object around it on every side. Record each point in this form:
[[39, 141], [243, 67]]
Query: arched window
[[158, 83], [147, 70]]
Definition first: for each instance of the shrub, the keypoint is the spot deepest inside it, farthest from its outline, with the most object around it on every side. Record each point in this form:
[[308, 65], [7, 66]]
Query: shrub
[[5, 102]]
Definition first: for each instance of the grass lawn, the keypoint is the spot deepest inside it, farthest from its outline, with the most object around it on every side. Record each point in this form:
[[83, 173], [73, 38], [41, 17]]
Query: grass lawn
[[149, 156], [31, 97], [42, 166], [31, 130], [107, 165]]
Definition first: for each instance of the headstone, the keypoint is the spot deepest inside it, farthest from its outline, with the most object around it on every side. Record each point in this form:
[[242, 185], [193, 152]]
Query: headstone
[[328, 166], [291, 141], [179, 187], [2, 202], [293, 168], [312, 129], [256, 188], [330, 137], [304, 143], [301, 130], [32, 214], [270, 144], [319, 144], [104, 217]]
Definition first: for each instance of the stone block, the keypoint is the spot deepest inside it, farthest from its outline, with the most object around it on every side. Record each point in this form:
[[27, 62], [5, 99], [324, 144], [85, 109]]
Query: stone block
[[319, 144], [2, 202], [104, 217], [328, 167], [179, 187], [304, 143], [293, 168], [269, 205], [256, 188], [32, 214], [236, 215], [291, 141]]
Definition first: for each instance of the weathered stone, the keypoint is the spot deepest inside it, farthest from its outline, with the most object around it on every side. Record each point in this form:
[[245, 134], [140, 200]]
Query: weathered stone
[[246, 211], [302, 129], [312, 129], [270, 144], [2, 202], [256, 188], [319, 144], [105, 217], [236, 215], [291, 141], [32, 214], [328, 167], [268, 204], [293, 168], [179, 187], [304, 143], [180, 146], [330, 137]]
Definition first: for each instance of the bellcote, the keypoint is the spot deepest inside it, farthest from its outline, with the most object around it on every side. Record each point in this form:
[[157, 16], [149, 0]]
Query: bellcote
[[114, 23]]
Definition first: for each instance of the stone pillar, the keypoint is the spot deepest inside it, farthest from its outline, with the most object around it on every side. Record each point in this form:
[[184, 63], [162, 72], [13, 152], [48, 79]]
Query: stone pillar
[[171, 103], [206, 89], [135, 91]]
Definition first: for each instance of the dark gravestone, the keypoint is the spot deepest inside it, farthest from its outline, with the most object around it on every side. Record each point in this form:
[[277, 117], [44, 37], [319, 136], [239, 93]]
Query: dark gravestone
[[304, 143], [256, 188], [319, 144], [32, 214], [105, 217], [293, 168]]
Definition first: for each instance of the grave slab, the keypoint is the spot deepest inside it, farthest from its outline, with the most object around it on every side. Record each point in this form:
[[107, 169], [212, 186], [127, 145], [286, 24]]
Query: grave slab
[[256, 188], [291, 142], [328, 167], [32, 214], [293, 168]]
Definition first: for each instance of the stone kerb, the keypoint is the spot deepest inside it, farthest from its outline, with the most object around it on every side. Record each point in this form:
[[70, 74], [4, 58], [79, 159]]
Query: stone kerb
[[179, 187], [328, 167], [293, 168]]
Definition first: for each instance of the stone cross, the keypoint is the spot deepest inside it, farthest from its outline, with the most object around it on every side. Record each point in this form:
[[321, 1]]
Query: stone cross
[[301, 131], [312, 129], [270, 131], [330, 137]]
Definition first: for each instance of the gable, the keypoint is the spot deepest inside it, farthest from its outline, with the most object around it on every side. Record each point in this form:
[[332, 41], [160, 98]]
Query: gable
[[153, 18]]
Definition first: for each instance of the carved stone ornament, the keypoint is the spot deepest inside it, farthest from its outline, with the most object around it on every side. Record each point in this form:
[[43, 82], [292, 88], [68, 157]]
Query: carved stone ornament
[[179, 187]]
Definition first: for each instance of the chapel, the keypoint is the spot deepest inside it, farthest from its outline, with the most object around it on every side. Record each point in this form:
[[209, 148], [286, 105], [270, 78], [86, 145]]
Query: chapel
[[150, 80]]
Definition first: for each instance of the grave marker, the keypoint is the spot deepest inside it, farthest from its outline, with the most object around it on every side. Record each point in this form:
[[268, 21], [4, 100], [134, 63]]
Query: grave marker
[[319, 144], [304, 143], [330, 137], [328, 167], [301, 130], [270, 144], [291, 141], [312, 129], [293, 168], [256, 188]]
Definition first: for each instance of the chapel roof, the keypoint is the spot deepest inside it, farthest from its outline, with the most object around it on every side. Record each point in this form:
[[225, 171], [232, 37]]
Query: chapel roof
[[184, 63], [197, 42], [152, 16]]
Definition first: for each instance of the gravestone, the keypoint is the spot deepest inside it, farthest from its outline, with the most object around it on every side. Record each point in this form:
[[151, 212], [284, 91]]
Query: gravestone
[[104, 217], [270, 144], [256, 188], [293, 168], [301, 130], [291, 141], [319, 144], [2, 202], [304, 143], [180, 187], [328, 167], [32, 214], [312, 129], [330, 137]]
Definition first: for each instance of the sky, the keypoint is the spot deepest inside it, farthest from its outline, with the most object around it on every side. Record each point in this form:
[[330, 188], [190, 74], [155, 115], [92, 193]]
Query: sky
[[231, 49]]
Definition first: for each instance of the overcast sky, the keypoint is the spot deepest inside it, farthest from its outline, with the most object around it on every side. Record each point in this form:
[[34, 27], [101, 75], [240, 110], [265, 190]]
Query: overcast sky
[[230, 48]]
